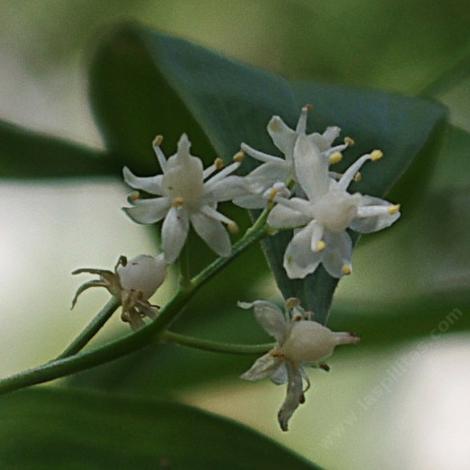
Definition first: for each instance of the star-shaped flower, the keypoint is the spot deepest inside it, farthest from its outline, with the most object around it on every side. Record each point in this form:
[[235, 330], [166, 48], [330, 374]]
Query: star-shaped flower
[[325, 214], [300, 342], [276, 169], [188, 194]]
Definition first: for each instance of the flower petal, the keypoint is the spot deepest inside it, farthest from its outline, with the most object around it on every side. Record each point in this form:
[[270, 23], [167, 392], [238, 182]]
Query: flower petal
[[282, 135], [270, 317], [294, 396], [226, 189], [279, 377], [311, 169], [254, 201], [265, 175], [367, 222], [285, 217], [325, 141], [212, 232], [338, 253], [263, 367], [174, 233], [149, 184], [148, 211], [299, 259]]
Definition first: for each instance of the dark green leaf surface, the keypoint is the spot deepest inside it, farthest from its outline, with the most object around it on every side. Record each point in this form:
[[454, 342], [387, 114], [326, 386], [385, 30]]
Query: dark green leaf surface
[[144, 83], [70, 430], [28, 154]]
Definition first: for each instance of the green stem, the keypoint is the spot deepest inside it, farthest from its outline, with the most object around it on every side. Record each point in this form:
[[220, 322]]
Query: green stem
[[91, 329], [216, 346], [184, 270], [135, 341]]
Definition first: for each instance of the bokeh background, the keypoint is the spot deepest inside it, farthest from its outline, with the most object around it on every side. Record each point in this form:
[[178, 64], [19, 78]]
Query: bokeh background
[[398, 401]]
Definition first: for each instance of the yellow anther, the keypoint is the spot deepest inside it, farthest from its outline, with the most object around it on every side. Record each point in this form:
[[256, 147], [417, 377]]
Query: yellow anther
[[158, 140], [307, 107], [292, 302], [177, 202], [133, 197], [272, 194], [219, 163], [358, 176], [349, 141], [335, 157], [346, 269], [376, 155], [394, 209], [233, 228], [320, 245], [239, 156]]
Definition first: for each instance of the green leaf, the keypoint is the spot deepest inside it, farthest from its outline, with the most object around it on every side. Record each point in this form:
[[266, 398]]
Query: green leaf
[[58, 429], [143, 83], [28, 154]]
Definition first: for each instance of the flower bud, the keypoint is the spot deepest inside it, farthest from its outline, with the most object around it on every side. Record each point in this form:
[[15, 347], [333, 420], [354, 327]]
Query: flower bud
[[309, 341], [144, 273]]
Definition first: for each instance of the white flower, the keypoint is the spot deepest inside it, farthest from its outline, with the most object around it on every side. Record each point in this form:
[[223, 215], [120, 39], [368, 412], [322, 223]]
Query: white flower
[[133, 282], [187, 194], [276, 169], [326, 214], [300, 342]]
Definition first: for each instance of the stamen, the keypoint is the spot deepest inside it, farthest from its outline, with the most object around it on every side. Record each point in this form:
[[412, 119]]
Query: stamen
[[239, 156], [158, 151], [178, 201], [349, 141], [133, 197], [376, 155], [233, 228], [351, 172], [219, 164], [292, 302], [346, 269], [335, 157], [393, 209], [320, 246], [357, 176]]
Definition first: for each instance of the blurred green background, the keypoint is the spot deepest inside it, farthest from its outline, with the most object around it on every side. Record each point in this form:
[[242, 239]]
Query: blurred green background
[[400, 400]]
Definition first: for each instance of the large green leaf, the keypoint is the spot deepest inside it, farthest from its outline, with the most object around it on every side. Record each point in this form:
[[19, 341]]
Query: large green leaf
[[58, 429], [28, 154], [143, 83]]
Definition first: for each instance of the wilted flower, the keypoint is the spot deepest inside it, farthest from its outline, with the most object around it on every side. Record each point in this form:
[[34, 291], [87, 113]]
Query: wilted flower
[[300, 342], [276, 169], [133, 282], [325, 214], [187, 194]]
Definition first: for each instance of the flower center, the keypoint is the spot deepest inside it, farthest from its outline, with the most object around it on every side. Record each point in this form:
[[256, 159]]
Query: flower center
[[336, 210]]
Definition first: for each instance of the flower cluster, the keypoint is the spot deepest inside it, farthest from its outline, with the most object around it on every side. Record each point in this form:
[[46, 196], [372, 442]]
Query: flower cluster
[[300, 342]]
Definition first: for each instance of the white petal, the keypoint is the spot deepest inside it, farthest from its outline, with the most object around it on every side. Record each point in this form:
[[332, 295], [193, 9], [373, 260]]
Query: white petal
[[148, 211], [286, 217], [338, 252], [226, 189], [212, 232], [251, 202], [367, 221], [262, 368], [271, 318], [299, 259], [282, 135], [264, 176], [294, 396], [311, 169], [279, 377], [149, 184], [174, 233]]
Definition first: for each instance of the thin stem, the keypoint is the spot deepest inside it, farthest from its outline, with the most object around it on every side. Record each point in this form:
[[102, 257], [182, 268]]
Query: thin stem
[[91, 329], [135, 341], [216, 346], [184, 270]]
